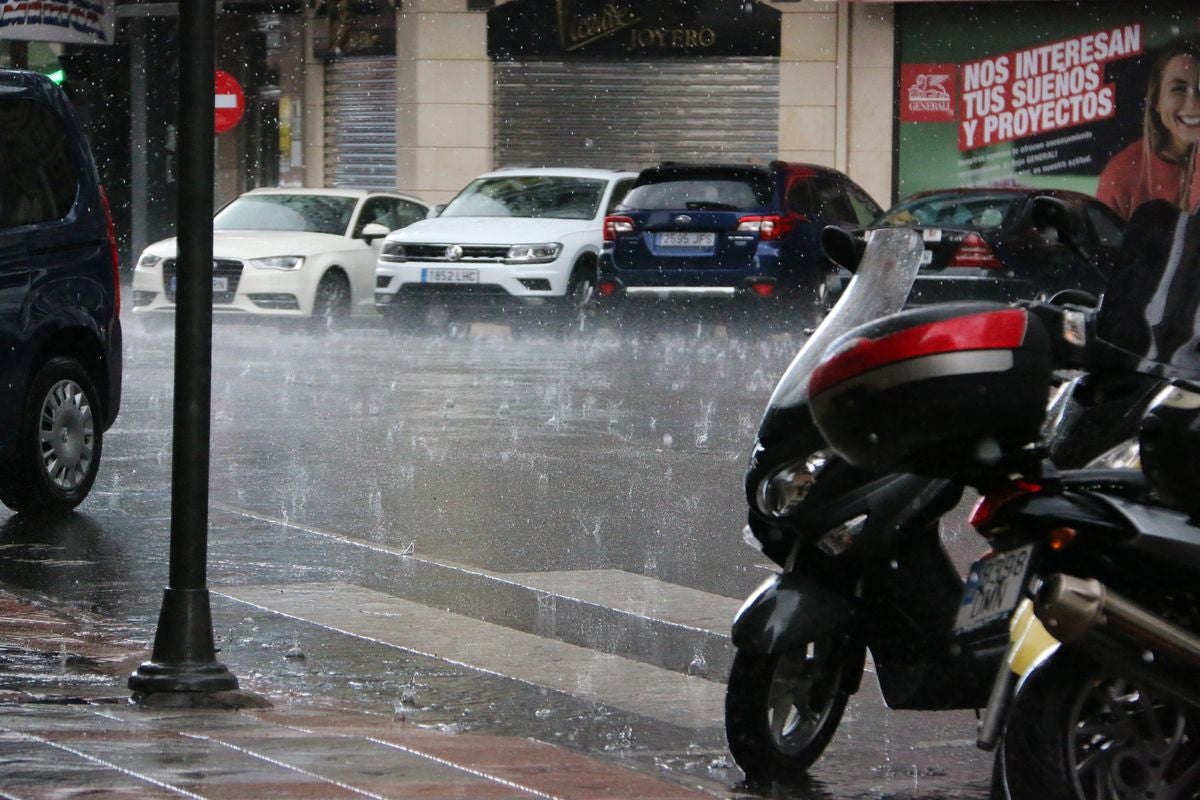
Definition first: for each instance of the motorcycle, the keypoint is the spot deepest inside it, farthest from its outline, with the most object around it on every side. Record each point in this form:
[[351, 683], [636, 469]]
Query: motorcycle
[[1114, 712], [1098, 697], [862, 564]]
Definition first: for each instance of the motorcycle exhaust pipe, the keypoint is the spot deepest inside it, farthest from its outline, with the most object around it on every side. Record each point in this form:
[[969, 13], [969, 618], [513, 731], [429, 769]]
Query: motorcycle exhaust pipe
[[1116, 631]]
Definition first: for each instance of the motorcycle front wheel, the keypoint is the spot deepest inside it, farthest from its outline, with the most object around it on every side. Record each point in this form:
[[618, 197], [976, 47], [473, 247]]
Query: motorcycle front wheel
[[781, 709], [1078, 732]]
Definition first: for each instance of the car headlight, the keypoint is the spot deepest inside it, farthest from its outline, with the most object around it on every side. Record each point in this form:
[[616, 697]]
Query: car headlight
[[278, 262], [148, 261], [392, 251], [785, 487], [533, 253]]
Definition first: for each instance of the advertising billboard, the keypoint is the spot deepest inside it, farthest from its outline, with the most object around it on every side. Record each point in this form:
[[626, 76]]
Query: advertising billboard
[[1099, 97]]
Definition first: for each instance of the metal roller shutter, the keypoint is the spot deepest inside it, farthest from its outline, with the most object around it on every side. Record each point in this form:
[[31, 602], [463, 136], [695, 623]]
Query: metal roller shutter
[[634, 114], [360, 123]]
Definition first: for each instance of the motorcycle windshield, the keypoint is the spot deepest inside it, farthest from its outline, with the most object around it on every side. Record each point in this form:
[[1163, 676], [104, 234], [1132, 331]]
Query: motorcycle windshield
[[879, 287]]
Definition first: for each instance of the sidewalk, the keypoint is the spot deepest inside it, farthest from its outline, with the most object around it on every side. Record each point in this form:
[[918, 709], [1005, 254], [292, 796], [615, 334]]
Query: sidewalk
[[67, 729]]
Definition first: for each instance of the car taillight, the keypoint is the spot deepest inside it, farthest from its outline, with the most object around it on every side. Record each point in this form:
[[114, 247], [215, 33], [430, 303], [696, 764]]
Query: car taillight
[[761, 288], [767, 227], [614, 226], [974, 252], [984, 515], [112, 250], [606, 287]]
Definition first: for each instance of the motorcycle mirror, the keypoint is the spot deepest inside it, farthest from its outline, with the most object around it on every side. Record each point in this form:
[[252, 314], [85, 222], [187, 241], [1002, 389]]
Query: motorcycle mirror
[[1052, 219], [1074, 297], [842, 247]]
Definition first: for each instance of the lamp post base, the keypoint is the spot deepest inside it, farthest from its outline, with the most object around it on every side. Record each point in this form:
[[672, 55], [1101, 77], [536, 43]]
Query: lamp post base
[[184, 658]]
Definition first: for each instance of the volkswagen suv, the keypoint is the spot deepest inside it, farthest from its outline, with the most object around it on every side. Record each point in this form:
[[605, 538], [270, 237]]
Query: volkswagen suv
[[733, 230], [60, 375], [525, 235]]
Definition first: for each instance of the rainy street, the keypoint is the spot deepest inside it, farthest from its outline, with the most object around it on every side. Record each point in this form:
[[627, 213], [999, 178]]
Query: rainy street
[[526, 529]]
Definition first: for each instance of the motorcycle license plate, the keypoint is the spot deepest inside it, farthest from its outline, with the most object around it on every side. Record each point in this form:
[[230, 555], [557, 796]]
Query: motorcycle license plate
[[993, 588]]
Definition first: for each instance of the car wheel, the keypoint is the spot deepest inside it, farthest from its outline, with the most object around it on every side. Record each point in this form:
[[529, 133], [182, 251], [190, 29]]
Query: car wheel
[[1077, 732], [581, 288], [578, 304], [781, 709], [59, 442], [332, 298]]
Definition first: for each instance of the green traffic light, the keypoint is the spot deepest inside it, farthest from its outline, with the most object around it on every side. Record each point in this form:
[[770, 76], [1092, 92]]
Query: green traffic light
[[58, 76]]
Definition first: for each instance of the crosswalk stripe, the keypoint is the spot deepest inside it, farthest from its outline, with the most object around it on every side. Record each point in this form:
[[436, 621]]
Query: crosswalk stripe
[[632, 686]]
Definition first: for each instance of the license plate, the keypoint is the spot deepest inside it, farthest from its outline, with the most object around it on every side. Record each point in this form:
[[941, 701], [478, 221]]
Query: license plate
[[993, 589], [449, 276], [220, 283], [686, 239]]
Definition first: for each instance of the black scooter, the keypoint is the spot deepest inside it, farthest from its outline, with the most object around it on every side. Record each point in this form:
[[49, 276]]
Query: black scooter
[[862, 565]]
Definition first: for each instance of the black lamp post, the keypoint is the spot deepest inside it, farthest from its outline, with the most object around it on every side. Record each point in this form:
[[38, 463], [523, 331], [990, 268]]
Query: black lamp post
[[183, 662]]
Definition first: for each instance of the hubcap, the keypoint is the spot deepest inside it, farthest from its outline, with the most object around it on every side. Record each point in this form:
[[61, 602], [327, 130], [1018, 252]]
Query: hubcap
[[585, 290], [67, 435], [802, 695], [1126, 743]]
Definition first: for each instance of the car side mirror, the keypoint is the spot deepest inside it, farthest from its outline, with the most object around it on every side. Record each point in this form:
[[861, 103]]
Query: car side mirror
[[1051, 218], [372, 231], [842, 247], [436, 211]]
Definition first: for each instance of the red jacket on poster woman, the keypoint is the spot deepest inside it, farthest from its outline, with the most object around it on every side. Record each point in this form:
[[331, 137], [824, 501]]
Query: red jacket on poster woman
[[1135, 175]]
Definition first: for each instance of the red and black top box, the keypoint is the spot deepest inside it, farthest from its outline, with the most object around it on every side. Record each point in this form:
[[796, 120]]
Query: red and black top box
[[935, 390]]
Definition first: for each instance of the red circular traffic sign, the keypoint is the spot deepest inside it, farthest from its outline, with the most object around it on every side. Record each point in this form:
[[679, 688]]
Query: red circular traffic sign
[[230, 102]]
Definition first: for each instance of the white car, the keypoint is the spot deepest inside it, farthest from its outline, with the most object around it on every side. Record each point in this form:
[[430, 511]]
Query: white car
[[530, 234], [287, 252]]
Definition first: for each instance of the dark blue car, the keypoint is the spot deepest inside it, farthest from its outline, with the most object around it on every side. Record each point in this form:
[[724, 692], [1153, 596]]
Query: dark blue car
[[728, 230], [60, 335]]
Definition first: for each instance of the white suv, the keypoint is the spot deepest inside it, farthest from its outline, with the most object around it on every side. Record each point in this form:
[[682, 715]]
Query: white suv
[[529, 234]]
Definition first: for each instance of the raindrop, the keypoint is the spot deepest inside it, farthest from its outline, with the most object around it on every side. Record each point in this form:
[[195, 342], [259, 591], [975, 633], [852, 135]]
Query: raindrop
[[668, 440], [698, 666]]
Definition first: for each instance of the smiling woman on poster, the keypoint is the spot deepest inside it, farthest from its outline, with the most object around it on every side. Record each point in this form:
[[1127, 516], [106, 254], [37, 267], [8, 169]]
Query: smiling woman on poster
[[1163, 163]]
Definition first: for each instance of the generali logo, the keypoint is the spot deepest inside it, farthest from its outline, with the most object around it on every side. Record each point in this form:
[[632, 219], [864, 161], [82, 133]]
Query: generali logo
[[927, 92], [581, 23]]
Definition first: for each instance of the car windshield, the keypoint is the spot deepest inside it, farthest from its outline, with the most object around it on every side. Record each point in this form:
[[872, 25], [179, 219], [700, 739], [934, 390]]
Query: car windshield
[[699, 194], [528, 196], [979, 211], [287, 212]]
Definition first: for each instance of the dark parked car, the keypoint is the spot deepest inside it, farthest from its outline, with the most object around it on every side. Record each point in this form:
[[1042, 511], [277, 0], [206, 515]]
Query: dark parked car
[[60, 375], [729, 229], [1008, 244]]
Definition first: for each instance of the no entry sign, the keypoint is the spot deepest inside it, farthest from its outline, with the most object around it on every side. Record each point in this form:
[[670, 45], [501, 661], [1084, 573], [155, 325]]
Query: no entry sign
[[230, 102]]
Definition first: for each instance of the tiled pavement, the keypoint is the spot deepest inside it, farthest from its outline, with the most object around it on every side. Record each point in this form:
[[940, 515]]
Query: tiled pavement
[[67, 729]]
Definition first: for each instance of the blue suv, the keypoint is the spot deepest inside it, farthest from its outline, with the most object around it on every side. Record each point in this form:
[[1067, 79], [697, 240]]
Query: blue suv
[[60, 335], [734, 230]]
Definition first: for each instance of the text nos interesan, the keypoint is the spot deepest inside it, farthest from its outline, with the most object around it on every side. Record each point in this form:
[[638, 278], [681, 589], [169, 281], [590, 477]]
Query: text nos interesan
[[579, 30]]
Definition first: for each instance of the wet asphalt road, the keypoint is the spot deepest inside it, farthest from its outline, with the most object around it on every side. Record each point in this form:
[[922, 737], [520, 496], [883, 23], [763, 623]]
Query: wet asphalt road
[[450, 477]]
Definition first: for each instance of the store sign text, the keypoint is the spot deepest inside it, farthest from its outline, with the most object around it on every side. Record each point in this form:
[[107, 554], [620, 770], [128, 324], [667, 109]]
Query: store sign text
[[1041, 89], [65, 21], [581, 29]]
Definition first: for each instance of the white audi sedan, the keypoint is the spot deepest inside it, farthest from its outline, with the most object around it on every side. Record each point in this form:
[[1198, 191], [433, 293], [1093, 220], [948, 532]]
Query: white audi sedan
[[287, 252]]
